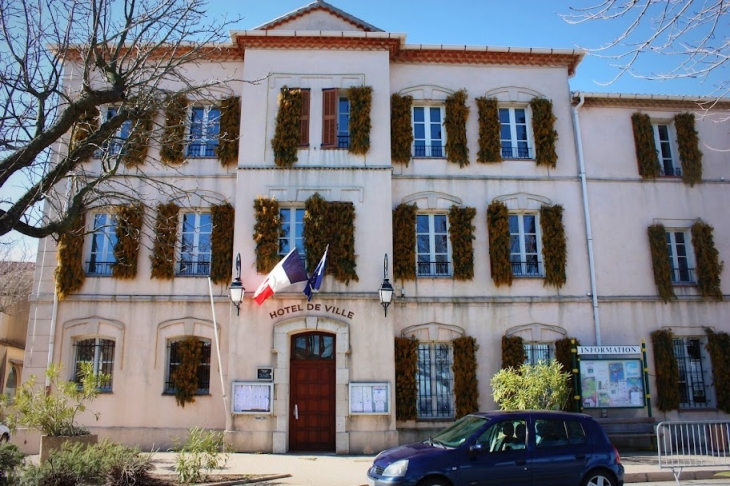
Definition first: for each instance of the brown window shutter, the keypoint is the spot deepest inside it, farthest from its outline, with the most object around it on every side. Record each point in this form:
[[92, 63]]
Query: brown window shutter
[[329, 118], [304, 120]]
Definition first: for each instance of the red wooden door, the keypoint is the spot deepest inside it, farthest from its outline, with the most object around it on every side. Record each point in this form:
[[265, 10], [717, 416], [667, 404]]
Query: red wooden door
[[312, 392]]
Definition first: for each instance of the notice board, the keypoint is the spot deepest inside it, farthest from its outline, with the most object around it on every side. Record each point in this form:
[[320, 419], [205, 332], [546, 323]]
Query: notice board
[[612, 383], [252, 397], [369, 398]]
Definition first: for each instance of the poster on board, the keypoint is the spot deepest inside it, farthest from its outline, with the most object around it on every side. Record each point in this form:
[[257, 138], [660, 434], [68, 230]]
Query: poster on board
[[612, 383]]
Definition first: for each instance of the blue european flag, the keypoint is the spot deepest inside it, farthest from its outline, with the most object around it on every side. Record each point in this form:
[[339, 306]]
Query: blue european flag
[[315, 280]]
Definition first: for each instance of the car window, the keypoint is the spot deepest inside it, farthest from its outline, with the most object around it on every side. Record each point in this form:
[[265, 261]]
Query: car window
[[576, 434], [551, 433], [459, 431], [506, 435]]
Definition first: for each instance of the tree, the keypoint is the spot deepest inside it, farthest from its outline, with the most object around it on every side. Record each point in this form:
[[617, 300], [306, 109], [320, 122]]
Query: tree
[[60, 61], [16, 277], [542, 386], [695, 33]]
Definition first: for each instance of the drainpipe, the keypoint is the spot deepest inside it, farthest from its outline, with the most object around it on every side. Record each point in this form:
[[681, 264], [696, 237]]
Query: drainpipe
[[587, 213]]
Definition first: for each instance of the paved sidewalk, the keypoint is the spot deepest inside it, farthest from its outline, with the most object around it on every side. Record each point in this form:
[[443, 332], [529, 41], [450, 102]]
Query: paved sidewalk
[[334, 470]]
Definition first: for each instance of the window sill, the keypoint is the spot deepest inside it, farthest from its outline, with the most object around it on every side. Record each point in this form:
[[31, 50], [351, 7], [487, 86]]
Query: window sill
[[190, 275], [424, 157], [99, 275], [684, 284], [435, 276], [197, 394], [528, 277], [518, 159], [199, 157]]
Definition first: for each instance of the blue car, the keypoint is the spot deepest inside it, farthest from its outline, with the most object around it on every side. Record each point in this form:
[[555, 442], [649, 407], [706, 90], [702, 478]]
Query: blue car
[[520, 448]]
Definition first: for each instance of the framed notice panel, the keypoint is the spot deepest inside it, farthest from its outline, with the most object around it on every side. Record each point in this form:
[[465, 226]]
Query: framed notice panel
[[252, 397], [370, 398], [612, 383]]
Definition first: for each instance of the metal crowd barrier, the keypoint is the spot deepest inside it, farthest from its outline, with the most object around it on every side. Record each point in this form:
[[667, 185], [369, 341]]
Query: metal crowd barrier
[[693, 444]]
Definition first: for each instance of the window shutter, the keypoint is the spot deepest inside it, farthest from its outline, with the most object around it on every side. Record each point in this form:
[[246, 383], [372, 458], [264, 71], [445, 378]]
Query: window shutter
[[554, 246], [660, 262], [646, 153], [709, 266], [329, 117], [304, 120], [689, 148], [499, 243]]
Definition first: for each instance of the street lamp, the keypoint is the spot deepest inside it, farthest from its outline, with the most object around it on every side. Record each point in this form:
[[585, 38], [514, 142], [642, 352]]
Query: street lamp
[[386, 290], [236, 289]]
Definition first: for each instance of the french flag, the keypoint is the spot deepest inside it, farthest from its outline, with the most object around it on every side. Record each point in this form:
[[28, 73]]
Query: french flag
[[315, 280], [288, 271]]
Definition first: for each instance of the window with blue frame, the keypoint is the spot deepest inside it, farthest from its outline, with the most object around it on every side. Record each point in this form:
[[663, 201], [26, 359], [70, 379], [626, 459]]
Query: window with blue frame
[[204, 131], [195, 244], [428, 134], [115, 143], [103, 241]]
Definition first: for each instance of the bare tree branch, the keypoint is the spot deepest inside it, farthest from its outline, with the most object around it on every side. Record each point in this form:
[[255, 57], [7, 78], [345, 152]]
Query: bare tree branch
[[16, 275]]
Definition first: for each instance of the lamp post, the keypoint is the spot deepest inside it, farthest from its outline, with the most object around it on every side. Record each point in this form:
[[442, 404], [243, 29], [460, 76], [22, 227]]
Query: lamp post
[[236, 289], [386, 290]]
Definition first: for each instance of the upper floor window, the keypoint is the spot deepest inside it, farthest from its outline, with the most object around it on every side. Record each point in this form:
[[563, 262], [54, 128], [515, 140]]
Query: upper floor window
[[537, 352], [335, 120], [680, 256], [428, 135], [116, 141], [694, 379], [524, 245], [514, 133], [664, 141], [174, 358], [100, 353], [432, 245], [195, 244], [103, 241], [204, 131], [435, 382], [292, 231]]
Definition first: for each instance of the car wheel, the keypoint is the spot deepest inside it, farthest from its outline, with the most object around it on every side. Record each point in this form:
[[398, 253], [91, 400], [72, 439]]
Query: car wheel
[[598, 478], [434, 482], [5, 438]]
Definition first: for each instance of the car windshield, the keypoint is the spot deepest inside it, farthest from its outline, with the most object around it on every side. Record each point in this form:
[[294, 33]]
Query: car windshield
[[456, 433]]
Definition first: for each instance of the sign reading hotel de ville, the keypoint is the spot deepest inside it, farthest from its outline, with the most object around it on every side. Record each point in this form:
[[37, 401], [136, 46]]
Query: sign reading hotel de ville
[[626, 349], [293, 309]]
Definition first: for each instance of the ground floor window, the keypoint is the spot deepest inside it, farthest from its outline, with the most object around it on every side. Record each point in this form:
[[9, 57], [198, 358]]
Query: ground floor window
[[693, 366], [435, 381], [175, 358], [537, 352], [100, 353]]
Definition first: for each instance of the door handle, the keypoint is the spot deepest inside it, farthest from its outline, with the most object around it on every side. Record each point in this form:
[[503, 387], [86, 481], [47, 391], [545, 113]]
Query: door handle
[[296, 412]]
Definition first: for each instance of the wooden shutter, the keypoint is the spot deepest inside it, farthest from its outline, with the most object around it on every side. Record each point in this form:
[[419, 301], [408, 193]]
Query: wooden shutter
[[329, 118], [304, 120]]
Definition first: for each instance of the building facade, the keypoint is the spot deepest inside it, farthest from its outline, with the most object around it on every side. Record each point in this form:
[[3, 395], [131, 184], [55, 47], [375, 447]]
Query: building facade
[[508, 207]]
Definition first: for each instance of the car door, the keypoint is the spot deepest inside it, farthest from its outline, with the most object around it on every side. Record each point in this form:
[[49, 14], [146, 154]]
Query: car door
[[496, 458], [560, 451]]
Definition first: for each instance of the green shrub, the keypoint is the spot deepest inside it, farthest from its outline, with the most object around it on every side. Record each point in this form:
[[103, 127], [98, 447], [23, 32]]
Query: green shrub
[[10, 461], [202, 453], [543, 386]]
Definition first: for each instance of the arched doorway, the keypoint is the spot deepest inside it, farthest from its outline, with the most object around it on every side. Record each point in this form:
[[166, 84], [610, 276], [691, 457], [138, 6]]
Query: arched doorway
[[312, 392]]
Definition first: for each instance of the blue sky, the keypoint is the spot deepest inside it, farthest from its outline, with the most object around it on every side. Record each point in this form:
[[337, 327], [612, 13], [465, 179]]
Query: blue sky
[[514, 23]]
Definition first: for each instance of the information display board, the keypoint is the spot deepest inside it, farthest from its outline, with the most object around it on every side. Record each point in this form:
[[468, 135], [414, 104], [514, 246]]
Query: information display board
[[369, 398], [612, 383], [252, 397]]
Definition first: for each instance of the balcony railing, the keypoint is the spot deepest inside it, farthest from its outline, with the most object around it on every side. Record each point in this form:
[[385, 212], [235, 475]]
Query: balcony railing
[[670, 171], [433, 269], [202, 149], [343, 141], [99, 268], [526, 269], [683, 275], [429, 151], [520, 152], [188, 267]]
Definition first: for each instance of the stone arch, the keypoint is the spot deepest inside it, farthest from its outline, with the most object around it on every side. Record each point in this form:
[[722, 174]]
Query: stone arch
[[537, 332], [433, 331], [513, 94], [523, 201], [430, 200], [88, 327], [427, 92], [282, 334], [179, 328]]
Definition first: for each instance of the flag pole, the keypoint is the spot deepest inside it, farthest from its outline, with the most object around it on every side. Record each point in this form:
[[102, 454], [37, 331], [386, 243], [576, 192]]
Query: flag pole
[[218, 348]]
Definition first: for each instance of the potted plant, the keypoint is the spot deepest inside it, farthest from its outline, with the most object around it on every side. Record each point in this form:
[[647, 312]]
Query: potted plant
[[52, 410]]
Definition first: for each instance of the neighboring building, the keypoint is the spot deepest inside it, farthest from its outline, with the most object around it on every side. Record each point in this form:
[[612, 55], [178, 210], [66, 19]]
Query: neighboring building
[[524, 244], [15, 281]]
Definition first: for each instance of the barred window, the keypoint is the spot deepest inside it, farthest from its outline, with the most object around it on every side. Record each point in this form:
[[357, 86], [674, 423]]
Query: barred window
[[435, 381], [174, 358], [100, 353], [694, 388], [537, 352]]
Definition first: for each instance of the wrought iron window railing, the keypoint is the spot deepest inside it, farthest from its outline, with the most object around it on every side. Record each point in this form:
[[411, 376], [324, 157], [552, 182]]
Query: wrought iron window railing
[[692, 389], [203, 368], [683, 275], [510, 151], [99, 268], [434, 381], [429, 151], [100, 351], [202, 149], [433, 269], [668, 171], [343, 141], [526, 269], [188, 267]]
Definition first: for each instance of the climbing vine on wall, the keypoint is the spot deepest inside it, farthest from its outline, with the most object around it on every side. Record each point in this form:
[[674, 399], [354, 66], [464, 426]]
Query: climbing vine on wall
[[173, 137], [660, 262], [688, 144], [130, 218], [266, 233], [461, 233], [221, 242], [287, 133], [185, 376], [138, 143], [361, 100], [455, 123], [466, 383], [499, 243], [404, 242], [230, 130], [406, 388], [401, 130], [646, 154], [70, 271], [513, 352], [564, 356], [554, 245], [717, 346], [708, 263], [490, 145], [543, 128], [666, 369], [331, 223], [163, 251], [88, 122]]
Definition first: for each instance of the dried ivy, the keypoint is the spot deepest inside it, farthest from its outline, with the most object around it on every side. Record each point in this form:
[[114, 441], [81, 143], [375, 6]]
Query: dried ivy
[[660, 262], [185, 376], [163, 251], [361, 100], [130, 218], [466, 382], [666, 369], [173, 136], [513, 352], [455, 123], [221, 242], [543, 128], [266, 233], [688, 143], [499, 243], [401, 129], [461, 233], [406, 388], [646, 153], [564, 352], [230, 130], [554, 245], [87, 123], [404, 242], [331, 223], [490, 144], [709, 266], [138, 143], [70, 270], [287, 133], [717, 346]]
